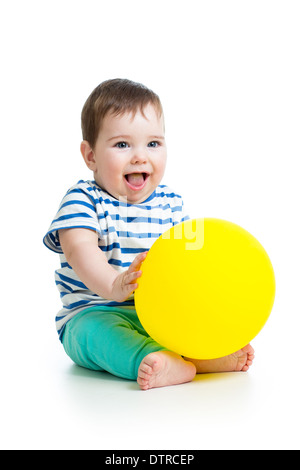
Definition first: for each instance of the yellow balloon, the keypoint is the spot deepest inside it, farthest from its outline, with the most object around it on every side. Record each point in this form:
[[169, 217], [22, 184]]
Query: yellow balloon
[[207, 289]]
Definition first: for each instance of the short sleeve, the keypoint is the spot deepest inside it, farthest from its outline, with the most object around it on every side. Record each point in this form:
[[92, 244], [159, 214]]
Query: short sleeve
[[77, 210], [179, 211]]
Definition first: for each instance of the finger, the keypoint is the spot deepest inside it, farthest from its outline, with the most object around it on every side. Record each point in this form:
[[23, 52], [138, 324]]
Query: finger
[[132, 277], [129, 278], [127, 291], [136, 264], [139, 260]]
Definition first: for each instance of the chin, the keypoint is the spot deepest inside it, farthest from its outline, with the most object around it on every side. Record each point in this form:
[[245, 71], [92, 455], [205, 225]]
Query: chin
[[136, 200]]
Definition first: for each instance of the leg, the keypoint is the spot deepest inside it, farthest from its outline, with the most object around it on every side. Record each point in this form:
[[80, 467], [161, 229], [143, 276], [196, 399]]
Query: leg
[[237, 362], [110, 339]]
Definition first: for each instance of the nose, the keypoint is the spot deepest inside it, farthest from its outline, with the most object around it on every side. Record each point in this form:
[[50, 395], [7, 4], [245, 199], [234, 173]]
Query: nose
[[139, 157]]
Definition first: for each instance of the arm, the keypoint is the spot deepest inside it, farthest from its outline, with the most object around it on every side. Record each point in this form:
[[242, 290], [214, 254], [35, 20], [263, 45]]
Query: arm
[[80, 247]]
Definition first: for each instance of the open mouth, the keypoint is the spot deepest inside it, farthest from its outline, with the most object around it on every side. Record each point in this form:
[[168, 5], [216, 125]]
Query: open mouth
[[136, 181]]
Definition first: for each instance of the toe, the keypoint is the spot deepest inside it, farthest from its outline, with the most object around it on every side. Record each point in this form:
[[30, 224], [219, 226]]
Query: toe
[[144, 375], [143, 383], [146, 368]]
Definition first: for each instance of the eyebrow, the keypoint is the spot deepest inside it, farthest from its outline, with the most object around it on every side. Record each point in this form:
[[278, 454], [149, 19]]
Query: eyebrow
[[119, 137], [158, 137]]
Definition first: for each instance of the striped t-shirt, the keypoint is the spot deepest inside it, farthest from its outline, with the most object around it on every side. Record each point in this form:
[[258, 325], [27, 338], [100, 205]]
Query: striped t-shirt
[[124, 230]]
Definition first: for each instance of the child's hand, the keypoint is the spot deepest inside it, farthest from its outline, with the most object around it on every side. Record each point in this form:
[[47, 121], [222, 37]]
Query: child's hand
[[125, 284]]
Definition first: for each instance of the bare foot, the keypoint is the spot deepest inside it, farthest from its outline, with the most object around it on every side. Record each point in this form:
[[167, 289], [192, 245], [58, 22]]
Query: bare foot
[[237, 362], [164, 368]]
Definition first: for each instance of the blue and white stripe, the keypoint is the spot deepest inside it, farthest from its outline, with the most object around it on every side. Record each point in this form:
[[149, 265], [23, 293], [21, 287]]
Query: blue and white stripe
[[124, 230]]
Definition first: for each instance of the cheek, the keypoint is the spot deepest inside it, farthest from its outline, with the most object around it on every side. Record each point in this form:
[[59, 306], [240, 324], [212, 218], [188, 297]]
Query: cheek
[[114, 170], [111, 164], [161, 165]]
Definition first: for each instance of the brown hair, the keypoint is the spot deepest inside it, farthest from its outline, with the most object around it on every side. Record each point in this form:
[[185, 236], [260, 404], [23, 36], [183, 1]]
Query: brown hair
[[117, 96]]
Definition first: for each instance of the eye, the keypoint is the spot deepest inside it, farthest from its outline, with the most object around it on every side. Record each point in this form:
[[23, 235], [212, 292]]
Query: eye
[[121, 145], [153, 144]]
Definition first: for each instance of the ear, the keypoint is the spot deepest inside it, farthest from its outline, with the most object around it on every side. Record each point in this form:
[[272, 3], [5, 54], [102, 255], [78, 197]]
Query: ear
[[88, 155]]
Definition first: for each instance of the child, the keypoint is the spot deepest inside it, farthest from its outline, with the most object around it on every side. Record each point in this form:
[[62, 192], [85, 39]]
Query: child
[[103, 230]]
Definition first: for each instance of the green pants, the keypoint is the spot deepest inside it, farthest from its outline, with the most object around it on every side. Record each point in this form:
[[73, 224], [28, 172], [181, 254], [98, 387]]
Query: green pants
[[110, 339]]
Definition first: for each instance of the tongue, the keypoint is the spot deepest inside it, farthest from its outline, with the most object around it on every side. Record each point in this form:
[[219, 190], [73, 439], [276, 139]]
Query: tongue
[[135, 179]]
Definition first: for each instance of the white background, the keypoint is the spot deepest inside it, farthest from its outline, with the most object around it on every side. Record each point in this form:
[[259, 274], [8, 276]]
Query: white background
[[228, 75]]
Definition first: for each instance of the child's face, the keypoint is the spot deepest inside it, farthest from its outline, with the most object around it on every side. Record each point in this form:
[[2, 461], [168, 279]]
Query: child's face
[[130, 155]]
